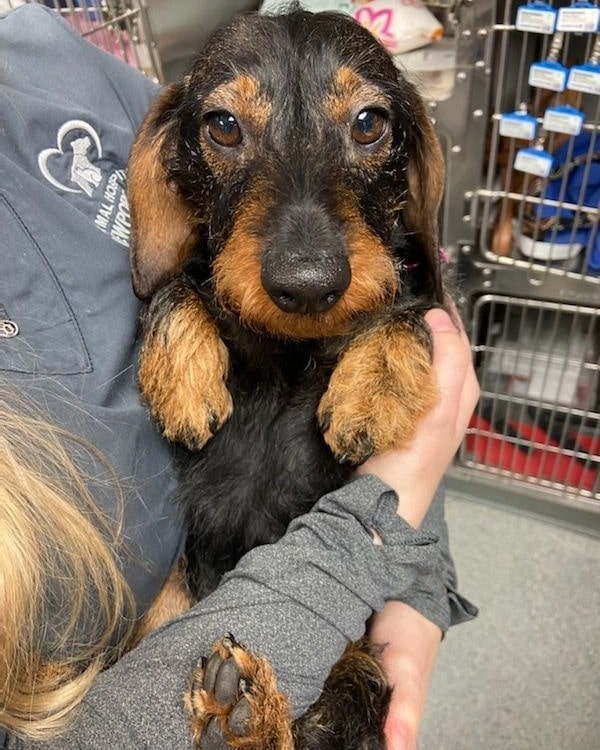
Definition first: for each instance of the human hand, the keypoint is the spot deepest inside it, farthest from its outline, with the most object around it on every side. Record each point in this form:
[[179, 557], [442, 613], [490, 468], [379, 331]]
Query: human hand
[[410, 648], [415, 472]]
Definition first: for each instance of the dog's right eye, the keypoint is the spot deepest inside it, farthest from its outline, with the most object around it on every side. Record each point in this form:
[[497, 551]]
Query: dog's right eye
[[223, 129], [369, 126]]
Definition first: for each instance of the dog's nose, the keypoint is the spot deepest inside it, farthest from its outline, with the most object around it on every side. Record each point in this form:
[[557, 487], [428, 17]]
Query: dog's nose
[[303, 286]]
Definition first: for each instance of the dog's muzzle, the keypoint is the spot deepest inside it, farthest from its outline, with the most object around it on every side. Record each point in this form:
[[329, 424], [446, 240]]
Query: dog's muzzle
[[304, 266]]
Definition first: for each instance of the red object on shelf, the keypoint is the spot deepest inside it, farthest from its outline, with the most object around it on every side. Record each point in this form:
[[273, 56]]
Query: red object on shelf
[[544, 461]]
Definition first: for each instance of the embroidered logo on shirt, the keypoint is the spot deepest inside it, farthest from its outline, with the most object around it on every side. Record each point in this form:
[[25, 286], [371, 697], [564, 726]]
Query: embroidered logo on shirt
[[70, 166], [70, 159]]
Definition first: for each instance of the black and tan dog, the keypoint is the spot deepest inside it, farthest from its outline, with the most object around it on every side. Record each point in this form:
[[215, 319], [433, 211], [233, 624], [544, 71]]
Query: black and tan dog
[[284, 200]]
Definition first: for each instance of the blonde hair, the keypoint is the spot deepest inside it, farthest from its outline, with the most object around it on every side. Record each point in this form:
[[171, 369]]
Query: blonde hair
[[66, 611]]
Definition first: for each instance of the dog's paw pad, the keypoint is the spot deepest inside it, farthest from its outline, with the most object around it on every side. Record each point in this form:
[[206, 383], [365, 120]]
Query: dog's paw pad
[[234, 701], [222, 678], [212, 738], [240, 715]]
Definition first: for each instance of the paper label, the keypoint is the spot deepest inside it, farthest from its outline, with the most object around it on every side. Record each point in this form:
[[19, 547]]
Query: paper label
[[539, 19], [548, 75], [563, 120], [515, 125], [533, 161], [585, 78], [579, 19]]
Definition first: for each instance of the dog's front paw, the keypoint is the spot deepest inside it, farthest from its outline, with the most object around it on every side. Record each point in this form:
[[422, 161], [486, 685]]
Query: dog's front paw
[[234, 702], [381, 387], [183, 367]]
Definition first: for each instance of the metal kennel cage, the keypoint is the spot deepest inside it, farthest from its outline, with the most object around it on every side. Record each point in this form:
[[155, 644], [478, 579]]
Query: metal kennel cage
[[120, 27], [159, 37], [513, 91], [521, 133]]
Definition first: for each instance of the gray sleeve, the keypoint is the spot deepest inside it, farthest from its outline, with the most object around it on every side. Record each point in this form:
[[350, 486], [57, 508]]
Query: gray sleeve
[[435, 594], [297, 602]]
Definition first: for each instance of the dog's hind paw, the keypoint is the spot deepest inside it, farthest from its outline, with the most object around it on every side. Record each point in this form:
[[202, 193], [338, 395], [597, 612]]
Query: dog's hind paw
[[234, 702], [381, 387], [351, 710]]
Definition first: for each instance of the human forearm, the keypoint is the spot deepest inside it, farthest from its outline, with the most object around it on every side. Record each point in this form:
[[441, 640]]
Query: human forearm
[[297, 602], [408, 661], [410, 629]]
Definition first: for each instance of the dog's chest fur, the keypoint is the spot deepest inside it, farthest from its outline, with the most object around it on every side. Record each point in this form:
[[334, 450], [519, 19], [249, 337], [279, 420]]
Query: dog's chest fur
[[267, 464]]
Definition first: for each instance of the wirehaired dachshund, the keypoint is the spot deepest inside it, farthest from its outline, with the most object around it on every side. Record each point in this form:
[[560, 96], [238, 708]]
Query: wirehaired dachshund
[[284, 198]]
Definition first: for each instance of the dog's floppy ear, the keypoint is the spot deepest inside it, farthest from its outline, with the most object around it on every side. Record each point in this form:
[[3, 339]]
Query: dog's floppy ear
[[162, 235], [426, 180]]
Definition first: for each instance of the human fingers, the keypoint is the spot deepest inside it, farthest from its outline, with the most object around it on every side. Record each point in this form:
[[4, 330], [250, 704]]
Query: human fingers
[[416, 470], [453, 367]]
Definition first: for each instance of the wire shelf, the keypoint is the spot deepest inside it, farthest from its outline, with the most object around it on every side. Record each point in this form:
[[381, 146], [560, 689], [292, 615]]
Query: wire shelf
[[538, 419], [542, 213]]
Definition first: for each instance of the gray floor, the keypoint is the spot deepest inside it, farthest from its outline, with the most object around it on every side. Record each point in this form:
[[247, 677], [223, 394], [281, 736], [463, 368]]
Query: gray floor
[[526, 674]]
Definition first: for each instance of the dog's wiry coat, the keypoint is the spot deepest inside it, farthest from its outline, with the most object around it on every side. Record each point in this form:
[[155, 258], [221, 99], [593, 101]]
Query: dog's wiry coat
[[284, 200]]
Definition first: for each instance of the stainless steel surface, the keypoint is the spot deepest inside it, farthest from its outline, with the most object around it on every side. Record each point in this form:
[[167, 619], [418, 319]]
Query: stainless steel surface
[[454, 77]]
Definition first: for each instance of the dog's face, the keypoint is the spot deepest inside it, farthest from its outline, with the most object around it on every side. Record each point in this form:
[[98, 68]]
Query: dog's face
[[290, 160]]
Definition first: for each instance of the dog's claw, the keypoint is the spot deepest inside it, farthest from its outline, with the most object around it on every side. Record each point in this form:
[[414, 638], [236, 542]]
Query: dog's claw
[[361, 448], [199, 677], [357, 448], [214, 423], [325, 422], [193, 444]]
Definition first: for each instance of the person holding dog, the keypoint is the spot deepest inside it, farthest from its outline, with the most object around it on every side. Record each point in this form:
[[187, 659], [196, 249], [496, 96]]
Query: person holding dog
[[69, 322]]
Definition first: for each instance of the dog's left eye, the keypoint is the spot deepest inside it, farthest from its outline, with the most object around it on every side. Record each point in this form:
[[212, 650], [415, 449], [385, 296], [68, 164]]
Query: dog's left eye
[[223, 128], [369, 126]]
